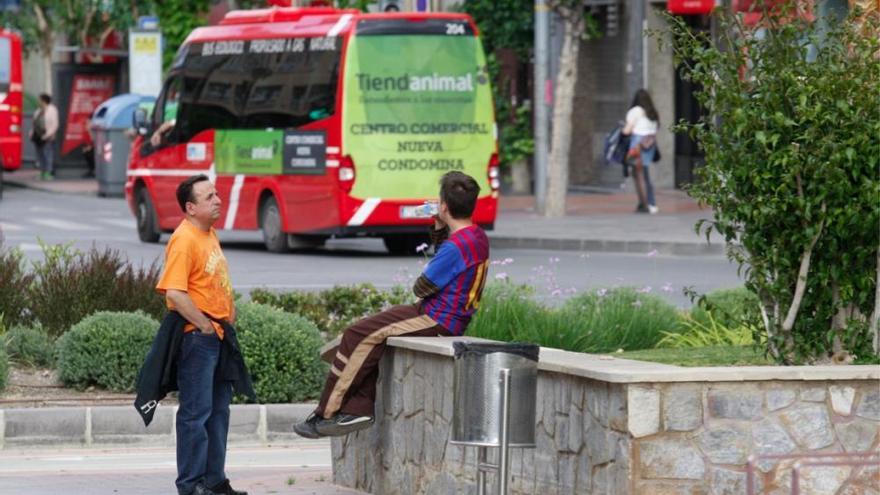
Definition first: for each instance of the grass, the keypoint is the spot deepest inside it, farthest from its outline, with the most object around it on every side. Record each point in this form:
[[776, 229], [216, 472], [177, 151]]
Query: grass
[[602, 321], [702, 356]]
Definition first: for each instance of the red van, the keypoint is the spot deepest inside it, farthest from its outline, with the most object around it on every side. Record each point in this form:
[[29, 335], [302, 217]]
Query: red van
[[318, 123]]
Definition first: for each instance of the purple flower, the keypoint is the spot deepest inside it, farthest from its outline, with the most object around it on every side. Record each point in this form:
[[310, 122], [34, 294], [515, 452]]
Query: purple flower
[[668, 288], [644, 290], [556, 293], [602, 292], [652, 253], [501, 276]]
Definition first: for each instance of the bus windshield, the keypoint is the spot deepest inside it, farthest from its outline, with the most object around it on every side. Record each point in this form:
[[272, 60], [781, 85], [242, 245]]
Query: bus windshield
[[410, 117], [257, 84]]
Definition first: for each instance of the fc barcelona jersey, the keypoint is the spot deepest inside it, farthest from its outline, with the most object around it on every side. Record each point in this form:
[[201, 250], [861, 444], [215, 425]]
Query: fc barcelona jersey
[[459, 269]]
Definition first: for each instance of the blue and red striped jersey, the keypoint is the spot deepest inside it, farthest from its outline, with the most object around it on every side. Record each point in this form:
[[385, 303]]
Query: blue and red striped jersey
[[459, 269]]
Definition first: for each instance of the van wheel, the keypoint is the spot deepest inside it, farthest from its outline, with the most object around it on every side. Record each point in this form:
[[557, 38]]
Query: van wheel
[[398, 244], [270, 219], [147, 223]]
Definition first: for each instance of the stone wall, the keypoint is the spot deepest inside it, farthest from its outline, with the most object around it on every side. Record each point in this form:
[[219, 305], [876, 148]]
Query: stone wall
[[604, 427]]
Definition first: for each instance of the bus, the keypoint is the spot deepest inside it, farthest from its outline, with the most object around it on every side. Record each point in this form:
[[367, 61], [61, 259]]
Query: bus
[[10, 103], [320, 122]]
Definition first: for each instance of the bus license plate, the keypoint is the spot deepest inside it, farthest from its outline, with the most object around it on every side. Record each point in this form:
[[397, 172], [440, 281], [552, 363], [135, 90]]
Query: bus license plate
[[412, 212]]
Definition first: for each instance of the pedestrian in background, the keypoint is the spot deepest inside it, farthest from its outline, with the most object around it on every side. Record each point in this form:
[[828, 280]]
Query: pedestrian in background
[[449, 291], [43, 136], [641, 125], [196, 285]]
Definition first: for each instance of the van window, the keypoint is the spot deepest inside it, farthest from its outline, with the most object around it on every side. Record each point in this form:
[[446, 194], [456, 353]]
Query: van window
[[258, 84], [5, 63]]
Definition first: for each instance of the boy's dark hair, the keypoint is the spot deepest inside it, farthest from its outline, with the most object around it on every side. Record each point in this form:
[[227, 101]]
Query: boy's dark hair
[[185, 190], [45, 98], [459, 191]]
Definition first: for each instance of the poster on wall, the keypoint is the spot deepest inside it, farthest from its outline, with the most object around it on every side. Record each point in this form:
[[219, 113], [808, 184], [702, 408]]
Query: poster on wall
[[86, 93]]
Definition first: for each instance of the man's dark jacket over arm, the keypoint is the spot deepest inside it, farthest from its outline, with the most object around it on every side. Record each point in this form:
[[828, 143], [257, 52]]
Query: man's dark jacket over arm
[[158, 375]]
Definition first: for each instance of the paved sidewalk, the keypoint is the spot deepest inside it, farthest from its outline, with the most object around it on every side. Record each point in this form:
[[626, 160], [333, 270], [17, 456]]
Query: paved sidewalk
[[595, 221], [302, 469]]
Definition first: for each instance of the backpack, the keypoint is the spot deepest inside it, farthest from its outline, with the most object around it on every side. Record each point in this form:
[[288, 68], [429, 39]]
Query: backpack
[[616, 146]]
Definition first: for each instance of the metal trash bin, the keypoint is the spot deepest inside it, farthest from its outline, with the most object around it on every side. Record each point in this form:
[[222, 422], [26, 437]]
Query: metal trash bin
[[477, 399], [109, 124]]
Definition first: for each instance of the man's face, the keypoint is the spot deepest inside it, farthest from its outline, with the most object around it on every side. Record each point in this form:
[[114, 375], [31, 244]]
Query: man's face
[[443, 212], [206, 203]]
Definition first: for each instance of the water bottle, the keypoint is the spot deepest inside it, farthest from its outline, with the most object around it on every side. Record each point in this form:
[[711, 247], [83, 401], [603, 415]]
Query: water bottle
[[428, 209]]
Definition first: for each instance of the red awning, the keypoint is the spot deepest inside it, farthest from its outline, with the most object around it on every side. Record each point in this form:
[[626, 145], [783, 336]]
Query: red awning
[[690, 7]]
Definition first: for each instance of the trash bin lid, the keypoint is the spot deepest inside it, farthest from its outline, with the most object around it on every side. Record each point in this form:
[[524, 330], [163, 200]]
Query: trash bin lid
[[116, 112], [528, 351]]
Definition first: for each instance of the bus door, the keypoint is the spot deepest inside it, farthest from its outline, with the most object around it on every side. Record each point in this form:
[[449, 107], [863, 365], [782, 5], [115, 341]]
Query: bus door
[[163, 164]]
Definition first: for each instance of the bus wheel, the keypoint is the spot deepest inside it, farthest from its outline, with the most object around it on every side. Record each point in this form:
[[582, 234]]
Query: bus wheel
[[270, 219], [147, 225], [404, 244]]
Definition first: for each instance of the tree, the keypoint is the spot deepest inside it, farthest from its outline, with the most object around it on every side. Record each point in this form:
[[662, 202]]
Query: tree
[[791, 174], [83, 22], [578, 25]]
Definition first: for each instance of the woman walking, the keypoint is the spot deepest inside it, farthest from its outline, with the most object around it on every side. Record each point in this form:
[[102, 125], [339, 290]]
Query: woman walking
[[642, 122]]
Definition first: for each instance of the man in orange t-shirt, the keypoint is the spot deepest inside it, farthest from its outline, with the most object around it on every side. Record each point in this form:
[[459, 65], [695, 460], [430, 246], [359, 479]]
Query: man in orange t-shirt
[[196, 284]]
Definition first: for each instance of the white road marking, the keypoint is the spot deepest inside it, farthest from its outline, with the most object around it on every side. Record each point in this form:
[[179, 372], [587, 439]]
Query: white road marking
[[64, 224], [118, 222]]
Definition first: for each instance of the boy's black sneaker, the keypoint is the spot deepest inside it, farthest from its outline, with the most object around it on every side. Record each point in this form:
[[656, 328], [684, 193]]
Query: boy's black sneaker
[[307, 428], [343, 424]]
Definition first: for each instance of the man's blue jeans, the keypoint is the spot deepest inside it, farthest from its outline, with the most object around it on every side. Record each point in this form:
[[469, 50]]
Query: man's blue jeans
[[203, 415]]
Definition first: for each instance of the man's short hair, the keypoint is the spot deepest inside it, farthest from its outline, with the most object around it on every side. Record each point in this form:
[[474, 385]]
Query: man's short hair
[[45, 98], [185, 190], [459, 191]]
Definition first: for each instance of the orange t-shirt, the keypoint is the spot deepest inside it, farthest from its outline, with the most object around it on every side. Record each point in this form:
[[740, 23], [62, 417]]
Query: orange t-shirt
[[195, 264]]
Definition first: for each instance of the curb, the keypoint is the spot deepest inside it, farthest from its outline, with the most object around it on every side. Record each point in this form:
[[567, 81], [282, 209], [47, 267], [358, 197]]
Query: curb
[[122, 425], [607, 246]]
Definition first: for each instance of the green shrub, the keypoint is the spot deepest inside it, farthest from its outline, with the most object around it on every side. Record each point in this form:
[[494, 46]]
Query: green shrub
[[712, 333], [14, 283], [333, 310], [729, 308], [30, 346], [592, 322], [71, 285], [281, 351], [105, 349]]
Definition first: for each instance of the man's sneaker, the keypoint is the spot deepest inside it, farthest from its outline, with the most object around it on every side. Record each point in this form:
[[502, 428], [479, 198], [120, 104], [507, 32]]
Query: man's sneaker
[[343, 424], [653, 210], [201, 489], [225, 489], [307, 428]]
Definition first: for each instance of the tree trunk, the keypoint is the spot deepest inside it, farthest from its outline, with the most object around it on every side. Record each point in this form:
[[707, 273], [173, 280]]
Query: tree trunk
[[563, 101], [46, 43]]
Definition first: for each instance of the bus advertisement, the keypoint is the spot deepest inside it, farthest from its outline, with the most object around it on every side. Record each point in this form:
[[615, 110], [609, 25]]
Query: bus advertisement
[[318, 123], [10, 103]]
